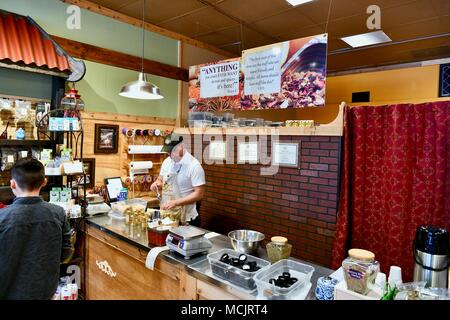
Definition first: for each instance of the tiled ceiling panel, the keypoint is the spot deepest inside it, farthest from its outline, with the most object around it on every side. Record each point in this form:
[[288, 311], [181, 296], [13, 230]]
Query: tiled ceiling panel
[[279, 24], [255, 10], [219, 22], [199, 22], [158, 11]]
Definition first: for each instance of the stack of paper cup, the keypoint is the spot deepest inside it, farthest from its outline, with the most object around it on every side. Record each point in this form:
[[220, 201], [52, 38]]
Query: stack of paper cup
[[381, 280], [395, 276]]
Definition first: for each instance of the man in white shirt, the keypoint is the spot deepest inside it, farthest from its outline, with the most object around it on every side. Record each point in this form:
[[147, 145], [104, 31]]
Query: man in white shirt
[[190, 177]]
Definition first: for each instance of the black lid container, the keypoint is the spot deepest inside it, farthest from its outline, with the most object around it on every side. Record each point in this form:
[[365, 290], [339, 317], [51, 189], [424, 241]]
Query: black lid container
[[432, 240]]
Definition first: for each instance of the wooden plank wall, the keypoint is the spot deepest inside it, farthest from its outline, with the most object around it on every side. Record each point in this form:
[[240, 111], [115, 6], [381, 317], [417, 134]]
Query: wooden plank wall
[[116, 165]]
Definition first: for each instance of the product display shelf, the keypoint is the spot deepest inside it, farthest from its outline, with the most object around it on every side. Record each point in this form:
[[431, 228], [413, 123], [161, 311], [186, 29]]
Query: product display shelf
[[9, 125], [334, 128], [25, 143], [73, 140]]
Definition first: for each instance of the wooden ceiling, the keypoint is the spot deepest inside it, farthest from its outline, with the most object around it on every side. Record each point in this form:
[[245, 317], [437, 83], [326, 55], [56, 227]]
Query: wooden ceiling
[[420, 29]]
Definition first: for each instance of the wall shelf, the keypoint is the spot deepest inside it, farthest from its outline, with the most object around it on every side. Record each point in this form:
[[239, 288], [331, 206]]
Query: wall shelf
[[334, 128], [24, 143]]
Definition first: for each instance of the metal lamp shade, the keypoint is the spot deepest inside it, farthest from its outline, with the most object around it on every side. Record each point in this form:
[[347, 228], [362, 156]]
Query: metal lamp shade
[[141, 89]]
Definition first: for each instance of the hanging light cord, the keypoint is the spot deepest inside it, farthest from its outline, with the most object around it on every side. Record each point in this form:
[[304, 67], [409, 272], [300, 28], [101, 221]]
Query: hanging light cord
[[143, 35], [328, 18]]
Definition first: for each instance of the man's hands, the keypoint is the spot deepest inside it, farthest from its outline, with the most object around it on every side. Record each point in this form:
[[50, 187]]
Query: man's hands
[[170, 205], [156, 185]]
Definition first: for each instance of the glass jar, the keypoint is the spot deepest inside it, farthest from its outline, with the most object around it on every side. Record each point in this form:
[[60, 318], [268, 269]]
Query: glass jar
[[278, 249], [360, 270]]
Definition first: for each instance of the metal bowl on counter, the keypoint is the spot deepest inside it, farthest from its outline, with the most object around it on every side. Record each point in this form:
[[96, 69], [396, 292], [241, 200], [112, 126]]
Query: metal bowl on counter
[[245, 241]]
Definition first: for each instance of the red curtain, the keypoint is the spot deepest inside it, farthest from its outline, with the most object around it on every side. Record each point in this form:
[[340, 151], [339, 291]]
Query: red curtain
[[396, 176]]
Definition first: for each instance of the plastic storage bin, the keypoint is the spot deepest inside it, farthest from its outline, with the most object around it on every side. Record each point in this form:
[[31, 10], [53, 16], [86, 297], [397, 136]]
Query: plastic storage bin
[[200, 123], [270, 291], [228, 117], [200, 116], [122, 206], [238, 277]]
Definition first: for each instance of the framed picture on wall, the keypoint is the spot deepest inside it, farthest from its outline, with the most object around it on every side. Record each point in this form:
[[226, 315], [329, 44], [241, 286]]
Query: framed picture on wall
[[285, 154], [89, 170], [106, 139]]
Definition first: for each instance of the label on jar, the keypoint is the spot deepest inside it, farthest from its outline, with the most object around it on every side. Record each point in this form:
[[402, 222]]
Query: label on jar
[[355, 274]]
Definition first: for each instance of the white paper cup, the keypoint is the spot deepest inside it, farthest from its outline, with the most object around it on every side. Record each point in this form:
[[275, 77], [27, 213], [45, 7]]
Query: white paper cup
[[381, 280], [395, 275]]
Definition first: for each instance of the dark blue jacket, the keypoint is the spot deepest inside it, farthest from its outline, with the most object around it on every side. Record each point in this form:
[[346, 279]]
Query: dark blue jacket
[[34, 239]]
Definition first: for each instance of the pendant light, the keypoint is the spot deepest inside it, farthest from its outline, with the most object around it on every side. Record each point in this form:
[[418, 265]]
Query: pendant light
[[141, 89]]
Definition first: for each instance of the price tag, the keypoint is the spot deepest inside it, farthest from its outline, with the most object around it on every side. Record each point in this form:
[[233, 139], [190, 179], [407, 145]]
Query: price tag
[[60, 124], [75, 124], [10, 159], [66, 124], [23, 154]]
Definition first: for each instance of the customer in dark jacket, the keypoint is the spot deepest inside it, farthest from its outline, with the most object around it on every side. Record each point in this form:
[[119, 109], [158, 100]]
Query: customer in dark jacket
[[34, 237]]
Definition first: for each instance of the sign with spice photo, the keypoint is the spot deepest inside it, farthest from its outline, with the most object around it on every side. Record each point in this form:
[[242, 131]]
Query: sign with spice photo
[[215, 86], [290, 74]]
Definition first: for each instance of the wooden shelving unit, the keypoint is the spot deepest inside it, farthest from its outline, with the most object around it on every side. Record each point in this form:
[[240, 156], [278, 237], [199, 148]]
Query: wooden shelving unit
[[334, 128], [25, 143]]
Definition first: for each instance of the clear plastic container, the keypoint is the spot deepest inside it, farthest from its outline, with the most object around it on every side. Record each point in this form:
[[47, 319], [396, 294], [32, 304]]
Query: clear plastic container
[[217, 119], [228, 117], [242, 122], [119, 206], [302, 272], [134, 204], [360, 270], [259, 122], [202, 116], [199, 123], [250, 123], [236, 276]]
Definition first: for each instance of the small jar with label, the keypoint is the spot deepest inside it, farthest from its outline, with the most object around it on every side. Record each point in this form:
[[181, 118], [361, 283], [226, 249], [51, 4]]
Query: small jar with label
[[360, 270], [278, 249]]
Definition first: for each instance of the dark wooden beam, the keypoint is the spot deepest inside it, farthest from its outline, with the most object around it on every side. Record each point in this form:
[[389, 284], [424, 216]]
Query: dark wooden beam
[[117, 59]]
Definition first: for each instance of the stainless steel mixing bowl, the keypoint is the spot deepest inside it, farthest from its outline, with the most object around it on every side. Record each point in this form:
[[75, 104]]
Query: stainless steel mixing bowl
[[245, 241]]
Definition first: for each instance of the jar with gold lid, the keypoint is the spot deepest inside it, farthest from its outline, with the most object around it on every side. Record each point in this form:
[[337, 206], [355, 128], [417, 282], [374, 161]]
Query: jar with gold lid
[[278, 248], [360, 270]]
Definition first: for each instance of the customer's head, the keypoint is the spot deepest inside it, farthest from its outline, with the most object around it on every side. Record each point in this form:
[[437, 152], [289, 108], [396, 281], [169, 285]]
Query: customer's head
[[27, 177]]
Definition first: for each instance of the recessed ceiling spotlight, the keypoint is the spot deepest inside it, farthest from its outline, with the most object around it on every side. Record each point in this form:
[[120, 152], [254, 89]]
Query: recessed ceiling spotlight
[[366, 39], [298, 2]]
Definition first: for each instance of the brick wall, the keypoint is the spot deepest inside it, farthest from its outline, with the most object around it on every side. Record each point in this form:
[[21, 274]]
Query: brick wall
[[298, 203]]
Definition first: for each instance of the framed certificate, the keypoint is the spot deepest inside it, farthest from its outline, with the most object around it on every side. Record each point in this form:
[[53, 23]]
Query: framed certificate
[[248, 152], [218, 150], [285, 154]]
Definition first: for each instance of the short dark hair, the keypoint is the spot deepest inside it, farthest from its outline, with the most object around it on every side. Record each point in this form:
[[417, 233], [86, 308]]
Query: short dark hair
[[29, 174]]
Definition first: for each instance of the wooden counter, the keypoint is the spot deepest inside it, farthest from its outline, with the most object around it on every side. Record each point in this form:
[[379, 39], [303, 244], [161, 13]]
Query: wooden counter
[[128, 278], [115, 268]]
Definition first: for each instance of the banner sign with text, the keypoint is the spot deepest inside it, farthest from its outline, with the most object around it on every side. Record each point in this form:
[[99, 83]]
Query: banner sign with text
[[215, 86], [290, 74]]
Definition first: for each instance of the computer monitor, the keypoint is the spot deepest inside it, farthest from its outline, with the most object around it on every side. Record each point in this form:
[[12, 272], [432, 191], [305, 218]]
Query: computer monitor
[[113, 187]]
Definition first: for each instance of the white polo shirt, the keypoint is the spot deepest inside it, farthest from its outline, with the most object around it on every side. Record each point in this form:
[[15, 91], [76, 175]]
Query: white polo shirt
[[191, 175]]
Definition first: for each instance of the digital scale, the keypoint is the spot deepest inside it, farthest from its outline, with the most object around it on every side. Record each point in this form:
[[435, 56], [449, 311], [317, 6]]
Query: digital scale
[[188, 241]]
